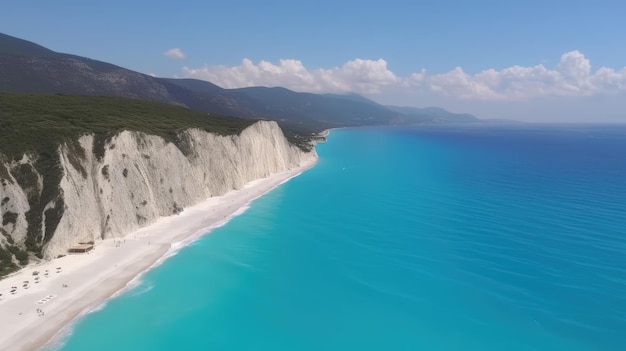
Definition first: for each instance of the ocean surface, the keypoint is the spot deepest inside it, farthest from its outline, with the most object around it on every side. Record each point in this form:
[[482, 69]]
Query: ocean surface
[[473, 237]]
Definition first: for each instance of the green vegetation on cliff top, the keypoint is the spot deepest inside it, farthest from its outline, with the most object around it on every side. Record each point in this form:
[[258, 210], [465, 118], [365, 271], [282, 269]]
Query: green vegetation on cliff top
[[41, 122]]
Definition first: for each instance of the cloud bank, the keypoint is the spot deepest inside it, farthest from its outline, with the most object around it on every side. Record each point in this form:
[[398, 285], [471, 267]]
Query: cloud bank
[[573, 76], [361, 76], [175, 53]]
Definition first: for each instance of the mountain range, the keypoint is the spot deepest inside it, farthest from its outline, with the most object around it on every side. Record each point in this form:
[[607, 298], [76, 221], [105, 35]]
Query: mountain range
[[30, 68]]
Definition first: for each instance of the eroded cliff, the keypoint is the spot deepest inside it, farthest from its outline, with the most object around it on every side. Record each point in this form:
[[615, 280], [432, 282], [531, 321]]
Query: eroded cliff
[[108, 188]]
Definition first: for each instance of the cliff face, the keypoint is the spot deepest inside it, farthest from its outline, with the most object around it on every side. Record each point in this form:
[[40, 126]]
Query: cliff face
[[137, 179]]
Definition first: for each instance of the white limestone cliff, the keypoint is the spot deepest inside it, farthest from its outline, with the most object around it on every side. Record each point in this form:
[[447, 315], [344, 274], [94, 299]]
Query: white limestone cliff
[[142, 177]]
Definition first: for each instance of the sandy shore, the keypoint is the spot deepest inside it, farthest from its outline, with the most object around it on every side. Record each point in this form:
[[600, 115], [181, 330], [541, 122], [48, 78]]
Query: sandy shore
[[70, 286]]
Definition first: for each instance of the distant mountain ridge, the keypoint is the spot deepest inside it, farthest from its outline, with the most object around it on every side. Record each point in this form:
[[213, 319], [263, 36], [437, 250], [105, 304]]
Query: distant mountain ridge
[[433, 114], [29, 67]]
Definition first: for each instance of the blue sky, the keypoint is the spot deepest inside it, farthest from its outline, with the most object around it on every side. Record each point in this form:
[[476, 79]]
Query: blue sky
[[529, 60]]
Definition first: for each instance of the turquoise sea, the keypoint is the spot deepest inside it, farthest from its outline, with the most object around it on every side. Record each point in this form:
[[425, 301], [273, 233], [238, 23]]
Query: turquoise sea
[[468, 237]]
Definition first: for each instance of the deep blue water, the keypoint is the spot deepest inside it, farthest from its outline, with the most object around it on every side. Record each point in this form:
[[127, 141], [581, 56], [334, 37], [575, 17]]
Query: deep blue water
[[423, 238]]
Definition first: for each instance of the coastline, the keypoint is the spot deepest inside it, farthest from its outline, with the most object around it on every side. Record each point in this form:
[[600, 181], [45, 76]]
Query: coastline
[[86, 281]]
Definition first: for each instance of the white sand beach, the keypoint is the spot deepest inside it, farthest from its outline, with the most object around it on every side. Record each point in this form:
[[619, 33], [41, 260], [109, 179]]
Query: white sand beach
[[67, 287]]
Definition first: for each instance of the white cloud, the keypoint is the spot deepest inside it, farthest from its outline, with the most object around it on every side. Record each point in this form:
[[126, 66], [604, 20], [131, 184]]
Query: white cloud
[[360, 76], [573, 76], [175, 53]]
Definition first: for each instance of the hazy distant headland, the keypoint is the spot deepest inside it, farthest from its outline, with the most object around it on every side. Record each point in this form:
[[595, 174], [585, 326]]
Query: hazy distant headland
[[28, 67]]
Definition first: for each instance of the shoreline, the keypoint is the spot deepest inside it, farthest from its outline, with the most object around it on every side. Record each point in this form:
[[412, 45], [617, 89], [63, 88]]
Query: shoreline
[[43, 311]]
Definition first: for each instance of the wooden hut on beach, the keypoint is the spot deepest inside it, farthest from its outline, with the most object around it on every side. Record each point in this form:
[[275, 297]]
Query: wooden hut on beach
[[81, 248]]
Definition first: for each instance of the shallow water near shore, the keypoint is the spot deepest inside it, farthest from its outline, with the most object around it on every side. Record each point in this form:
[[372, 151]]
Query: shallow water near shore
[[418, 238]]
